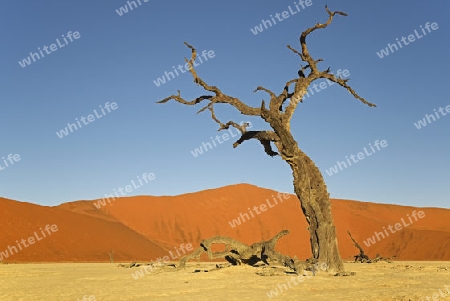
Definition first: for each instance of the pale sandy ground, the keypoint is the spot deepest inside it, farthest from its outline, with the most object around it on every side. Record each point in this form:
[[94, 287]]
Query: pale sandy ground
[[72, 281]]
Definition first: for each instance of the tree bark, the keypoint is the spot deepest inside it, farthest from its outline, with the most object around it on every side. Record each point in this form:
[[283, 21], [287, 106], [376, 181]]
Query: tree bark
[[311, 190]]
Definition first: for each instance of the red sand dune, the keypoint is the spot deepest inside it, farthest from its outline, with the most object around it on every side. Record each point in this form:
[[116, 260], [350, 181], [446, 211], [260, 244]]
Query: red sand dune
[[79, 237], [147, 227]]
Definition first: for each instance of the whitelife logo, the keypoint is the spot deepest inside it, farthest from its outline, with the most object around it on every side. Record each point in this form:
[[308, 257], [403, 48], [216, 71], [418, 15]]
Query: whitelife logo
[[90, 118], [280, 17], [124, 9], [411, 38], [237, 221], [9, 251], [397, 226], [430, 118], [167, 75], [360, 155], [128, 188], [11, 158], [160, 262], [27, 61], [199, 151]]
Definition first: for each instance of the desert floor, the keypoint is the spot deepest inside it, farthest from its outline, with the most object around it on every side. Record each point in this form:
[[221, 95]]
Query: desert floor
[[399, 280]]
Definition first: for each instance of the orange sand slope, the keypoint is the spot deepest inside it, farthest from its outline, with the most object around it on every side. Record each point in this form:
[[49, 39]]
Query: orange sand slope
[[146, 227], [78, 237]]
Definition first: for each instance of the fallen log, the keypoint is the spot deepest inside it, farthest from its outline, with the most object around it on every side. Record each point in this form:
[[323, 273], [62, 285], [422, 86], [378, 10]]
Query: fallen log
[[238, 253]]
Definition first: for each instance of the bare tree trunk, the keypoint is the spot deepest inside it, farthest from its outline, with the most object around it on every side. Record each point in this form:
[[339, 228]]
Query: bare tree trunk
[[311, 190]]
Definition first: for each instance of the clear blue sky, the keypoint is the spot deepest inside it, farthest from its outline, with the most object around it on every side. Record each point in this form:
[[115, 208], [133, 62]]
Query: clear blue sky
[[117, 58]]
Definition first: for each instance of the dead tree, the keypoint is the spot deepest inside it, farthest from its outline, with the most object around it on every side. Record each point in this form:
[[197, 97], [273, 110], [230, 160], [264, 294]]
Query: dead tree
[[363, 258], [237, 253], [261, 254], [309, 185], [111, 255]]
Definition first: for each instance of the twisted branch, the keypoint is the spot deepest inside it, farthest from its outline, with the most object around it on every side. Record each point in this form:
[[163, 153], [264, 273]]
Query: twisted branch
[[304, 81], [219, 97], [277, 117], [264, 137], [240, 253]]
